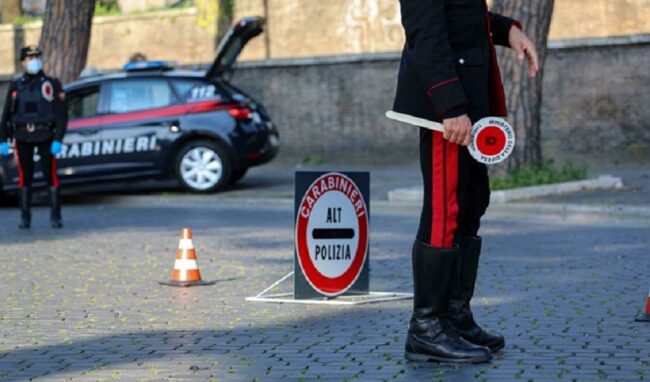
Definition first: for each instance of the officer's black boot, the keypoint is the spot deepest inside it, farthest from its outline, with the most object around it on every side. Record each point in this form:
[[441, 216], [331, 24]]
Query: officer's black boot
[[461, 293], [55, 213], [430, 335], [25, 201]]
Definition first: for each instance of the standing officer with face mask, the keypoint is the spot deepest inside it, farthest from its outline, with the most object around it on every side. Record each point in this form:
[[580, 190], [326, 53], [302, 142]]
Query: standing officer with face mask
[[35, 115]]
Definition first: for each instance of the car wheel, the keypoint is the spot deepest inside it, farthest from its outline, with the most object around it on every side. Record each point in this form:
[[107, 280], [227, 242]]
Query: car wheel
[[203, 166], [237, 175]]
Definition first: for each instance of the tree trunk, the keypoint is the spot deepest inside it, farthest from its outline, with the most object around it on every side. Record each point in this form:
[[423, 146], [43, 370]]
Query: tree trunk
[[224, 19], [65, 37], [10, 10], [524, 95]]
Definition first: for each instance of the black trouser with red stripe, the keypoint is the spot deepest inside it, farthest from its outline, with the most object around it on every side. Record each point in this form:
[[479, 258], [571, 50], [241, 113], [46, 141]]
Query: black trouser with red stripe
[[456, 191], [25, 161]]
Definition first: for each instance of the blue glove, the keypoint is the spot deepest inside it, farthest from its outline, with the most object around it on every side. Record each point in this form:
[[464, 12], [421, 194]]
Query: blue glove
[[55, 148], [4, 148]]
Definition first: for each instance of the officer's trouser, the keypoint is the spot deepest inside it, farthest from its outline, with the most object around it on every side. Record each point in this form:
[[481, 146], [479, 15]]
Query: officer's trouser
[[25, 162], [456, 191]]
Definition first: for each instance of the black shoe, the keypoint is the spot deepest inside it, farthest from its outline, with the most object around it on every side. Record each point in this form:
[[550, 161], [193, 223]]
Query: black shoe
[[461, 316], [433, 339], [55, 213], [430, 336], [25, 202]]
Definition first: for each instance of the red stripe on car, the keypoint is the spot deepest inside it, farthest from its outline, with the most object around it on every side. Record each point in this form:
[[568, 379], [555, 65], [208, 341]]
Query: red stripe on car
[[189, 108]]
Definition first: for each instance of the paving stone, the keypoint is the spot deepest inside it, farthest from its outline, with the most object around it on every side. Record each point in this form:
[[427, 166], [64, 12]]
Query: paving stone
[[83, 303]]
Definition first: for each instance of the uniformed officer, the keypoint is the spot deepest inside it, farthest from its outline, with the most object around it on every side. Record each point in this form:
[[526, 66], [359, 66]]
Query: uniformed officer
[[449, 74], [35, 116]]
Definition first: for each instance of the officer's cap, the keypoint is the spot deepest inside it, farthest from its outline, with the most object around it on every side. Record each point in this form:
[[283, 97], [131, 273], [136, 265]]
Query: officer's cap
[[29, 51]]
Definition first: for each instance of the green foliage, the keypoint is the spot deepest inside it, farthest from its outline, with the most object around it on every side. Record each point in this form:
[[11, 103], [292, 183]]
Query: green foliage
[[316, 160], [111, 8], [182, 4], [107, 8], [26, 19], [547, 173]]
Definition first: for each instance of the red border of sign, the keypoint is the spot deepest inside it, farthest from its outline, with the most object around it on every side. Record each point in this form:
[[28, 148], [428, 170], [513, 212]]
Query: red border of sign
[[321, 283], [500, 124]]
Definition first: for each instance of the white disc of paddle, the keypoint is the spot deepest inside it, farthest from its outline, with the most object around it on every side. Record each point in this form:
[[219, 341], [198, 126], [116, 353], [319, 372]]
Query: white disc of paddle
[[493, 140]]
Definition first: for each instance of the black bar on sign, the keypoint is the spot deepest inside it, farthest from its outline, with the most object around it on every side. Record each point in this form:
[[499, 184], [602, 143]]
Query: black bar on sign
[[333, 233]]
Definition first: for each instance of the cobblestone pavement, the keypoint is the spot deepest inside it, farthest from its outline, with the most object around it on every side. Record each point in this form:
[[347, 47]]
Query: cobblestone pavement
[[83, 303]]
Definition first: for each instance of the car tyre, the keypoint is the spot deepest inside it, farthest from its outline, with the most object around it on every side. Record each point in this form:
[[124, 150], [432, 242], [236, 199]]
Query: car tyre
[[237, 175], [203, 166]]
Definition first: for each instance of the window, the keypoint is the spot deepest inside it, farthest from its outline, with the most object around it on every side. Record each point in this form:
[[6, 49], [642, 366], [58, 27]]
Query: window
[[139, 94], [195, 90], [83, 104]]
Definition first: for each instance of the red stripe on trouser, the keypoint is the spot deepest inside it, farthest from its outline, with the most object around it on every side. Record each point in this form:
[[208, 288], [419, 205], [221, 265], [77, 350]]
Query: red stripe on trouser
[[444, 204], [647, 305], [55, 177], [21, 176]]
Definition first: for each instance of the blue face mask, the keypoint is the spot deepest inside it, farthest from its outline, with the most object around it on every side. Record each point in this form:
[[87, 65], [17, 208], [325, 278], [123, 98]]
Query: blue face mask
[[34, 66]]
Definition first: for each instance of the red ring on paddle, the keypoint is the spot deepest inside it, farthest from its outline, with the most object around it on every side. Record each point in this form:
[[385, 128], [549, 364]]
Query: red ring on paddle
[[491, 141]]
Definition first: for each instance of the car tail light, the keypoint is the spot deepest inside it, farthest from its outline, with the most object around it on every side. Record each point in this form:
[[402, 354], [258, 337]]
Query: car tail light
[[240, 114]]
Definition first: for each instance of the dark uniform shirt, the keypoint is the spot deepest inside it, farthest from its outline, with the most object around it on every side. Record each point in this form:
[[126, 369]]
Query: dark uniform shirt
[[449, 62]]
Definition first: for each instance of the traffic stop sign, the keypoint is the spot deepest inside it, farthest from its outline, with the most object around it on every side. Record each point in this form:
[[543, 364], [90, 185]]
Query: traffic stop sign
[[331, 234]]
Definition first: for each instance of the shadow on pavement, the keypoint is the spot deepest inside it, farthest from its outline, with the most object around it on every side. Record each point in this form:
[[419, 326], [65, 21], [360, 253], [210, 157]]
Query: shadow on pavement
[[311, 348], [270, 182]]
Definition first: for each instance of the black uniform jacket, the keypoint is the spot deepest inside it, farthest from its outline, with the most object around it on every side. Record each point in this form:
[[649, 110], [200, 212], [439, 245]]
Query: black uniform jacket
[[449, 59], [60, 119]]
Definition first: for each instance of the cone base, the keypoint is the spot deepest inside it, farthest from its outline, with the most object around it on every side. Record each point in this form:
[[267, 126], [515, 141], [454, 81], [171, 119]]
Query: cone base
[[186, 283], [643, 317]]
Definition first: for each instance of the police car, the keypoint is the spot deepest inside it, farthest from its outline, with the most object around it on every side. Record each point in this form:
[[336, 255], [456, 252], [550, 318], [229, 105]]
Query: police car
[[151, 121]]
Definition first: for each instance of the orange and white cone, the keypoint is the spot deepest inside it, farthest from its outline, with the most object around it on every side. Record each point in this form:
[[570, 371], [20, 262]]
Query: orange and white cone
[[186, 267], [645, 317]]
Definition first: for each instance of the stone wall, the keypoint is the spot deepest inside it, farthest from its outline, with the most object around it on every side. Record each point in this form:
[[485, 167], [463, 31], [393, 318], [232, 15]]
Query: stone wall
[[303, 28], [300, 28], [596, 100], [595, 105], [332, 108], [166, 35]]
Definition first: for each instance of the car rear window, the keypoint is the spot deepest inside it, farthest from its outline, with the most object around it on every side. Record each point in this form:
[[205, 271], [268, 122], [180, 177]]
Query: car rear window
[[139, 94], [190, 90]]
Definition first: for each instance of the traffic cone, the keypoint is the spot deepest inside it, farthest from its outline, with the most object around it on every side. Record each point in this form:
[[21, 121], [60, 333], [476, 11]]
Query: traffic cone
[[186, 267], [645, 317]]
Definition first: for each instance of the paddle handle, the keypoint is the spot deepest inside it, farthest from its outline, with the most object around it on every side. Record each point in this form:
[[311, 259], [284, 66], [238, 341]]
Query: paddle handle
[[415, 121]]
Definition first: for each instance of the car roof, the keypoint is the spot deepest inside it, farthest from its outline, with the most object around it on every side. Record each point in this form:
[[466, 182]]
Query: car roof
[[97, 79]]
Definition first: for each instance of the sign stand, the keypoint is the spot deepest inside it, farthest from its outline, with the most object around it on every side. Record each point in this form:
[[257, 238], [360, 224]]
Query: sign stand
[[287, 298], [331, 243]]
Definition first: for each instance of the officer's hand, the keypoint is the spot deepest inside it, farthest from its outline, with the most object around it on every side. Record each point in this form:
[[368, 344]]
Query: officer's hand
[[525, 49], [55, 148], [458, 130], [4, 148]]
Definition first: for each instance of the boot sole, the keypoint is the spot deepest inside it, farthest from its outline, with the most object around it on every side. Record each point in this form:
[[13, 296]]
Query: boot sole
[[414, 357], [497, 349]]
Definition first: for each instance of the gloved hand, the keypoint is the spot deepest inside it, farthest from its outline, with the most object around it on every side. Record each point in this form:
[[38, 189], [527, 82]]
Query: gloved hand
[[55, 148], [4, 148]]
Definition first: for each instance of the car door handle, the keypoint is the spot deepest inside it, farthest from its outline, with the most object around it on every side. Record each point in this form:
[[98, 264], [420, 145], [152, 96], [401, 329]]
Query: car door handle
[[88, 131]]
